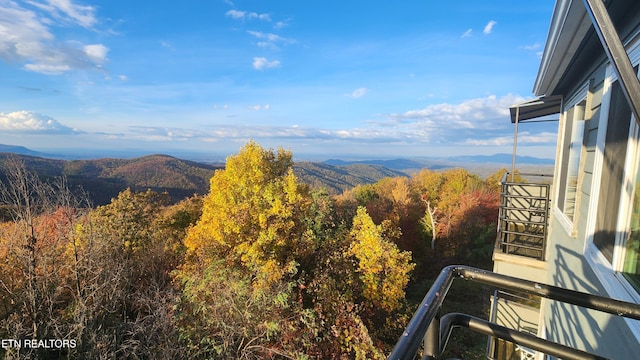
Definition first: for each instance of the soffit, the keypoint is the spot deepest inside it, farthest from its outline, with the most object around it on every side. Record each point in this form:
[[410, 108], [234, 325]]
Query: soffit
[[536, 108]]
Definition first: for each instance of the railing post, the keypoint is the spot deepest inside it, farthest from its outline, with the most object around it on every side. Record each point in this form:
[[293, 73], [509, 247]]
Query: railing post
[[432, 339]]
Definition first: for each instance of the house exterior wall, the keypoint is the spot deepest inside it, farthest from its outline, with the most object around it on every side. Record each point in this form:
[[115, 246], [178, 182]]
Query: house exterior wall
[[570, 242], [588, 330], [589, 243]]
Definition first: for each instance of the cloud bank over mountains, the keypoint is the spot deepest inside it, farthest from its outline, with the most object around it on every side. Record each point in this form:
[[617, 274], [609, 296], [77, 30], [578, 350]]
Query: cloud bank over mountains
[[441, 124], [110, 74]]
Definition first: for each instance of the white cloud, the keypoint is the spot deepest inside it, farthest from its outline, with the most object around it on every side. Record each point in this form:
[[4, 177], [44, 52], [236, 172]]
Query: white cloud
[[26, 36], [263, 17], [524, 138], [282, 23], [271, 39], [235, 14], [480, 111], [489, 27], [453, 123], [260, 107], [260, 63], [153, 133], [243, 15], [96, 52], [467, 33], [31, 122], [67, 11], [47, 69], [358, 93]]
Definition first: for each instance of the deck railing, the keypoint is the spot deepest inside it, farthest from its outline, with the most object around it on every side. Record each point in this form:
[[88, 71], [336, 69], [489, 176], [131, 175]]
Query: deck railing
[[428, 327], [523, 218]]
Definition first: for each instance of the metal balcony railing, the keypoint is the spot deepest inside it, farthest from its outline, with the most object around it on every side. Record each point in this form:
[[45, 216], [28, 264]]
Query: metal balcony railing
[[523, 218], [429, 328]]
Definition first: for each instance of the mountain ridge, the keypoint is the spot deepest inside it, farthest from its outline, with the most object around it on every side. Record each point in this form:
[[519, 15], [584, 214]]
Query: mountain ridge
[[103, 179]]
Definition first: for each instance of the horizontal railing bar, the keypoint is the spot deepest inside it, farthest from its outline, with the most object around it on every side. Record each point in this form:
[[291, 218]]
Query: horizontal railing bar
[[522, 211], [522, 247], [528, 183], [512, 194], [410, 341], [533, 232], [523, 222], [541, 236], [590, 301], [450, 321], [509, 195], [536, 174], [519, 298]]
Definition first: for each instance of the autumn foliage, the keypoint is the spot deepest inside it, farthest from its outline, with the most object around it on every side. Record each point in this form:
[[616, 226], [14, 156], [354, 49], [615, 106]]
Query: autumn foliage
[[263, 266]]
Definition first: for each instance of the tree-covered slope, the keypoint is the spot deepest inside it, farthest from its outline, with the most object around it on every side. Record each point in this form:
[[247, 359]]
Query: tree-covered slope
[[336, 179], [104, 178]]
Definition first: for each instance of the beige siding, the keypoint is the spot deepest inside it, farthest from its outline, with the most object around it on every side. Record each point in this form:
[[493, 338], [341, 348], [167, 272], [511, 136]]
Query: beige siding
[[588, 330], [594, 102], [592, 331]]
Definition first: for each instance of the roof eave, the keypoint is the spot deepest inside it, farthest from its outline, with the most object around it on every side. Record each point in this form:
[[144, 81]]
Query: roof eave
[[569, 26], [534, 109]]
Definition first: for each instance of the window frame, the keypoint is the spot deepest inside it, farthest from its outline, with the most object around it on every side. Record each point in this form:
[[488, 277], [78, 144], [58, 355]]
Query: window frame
[[568, 223], [626, 207], [609, 273]]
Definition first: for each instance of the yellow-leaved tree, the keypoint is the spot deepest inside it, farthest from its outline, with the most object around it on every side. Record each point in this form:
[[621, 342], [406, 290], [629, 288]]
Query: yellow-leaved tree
[[253, 215], [383, 268], [240, 282]]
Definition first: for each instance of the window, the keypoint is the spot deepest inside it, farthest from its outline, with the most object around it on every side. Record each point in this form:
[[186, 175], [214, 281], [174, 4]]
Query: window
[[613, 221], [571, 154], [631, 258], [613, 166]]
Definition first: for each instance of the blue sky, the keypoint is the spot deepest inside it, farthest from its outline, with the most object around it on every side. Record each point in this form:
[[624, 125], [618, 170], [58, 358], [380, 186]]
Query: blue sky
[[378, 79]]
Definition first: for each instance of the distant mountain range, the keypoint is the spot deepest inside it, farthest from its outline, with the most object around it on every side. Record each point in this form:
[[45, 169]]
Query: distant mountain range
[[104, 178], [396, 164], [445, 162], [14, 149]]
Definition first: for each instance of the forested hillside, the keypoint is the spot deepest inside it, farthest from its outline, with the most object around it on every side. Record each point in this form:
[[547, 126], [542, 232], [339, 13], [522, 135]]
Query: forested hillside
[[261, 266], [337, 179], [103, 179]]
